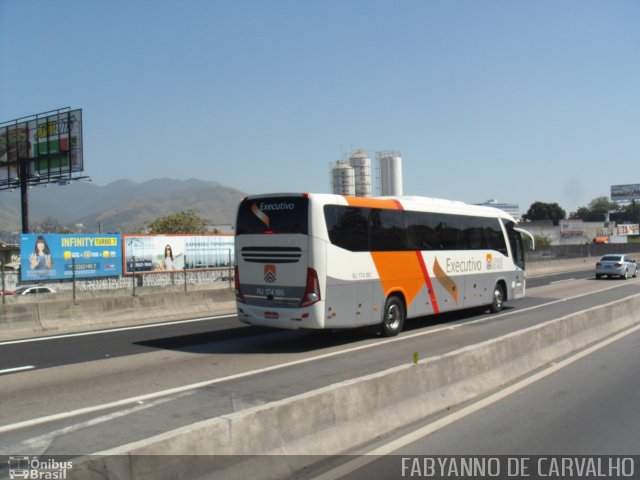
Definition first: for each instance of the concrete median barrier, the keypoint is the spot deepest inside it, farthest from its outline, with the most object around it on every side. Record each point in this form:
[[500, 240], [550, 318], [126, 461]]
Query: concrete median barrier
[[19, 321], [543, 267], [24, 320], [334, 419]]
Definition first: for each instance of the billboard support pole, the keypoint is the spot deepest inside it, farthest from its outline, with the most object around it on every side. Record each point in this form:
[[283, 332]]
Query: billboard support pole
[[24, 194], [184, 273], [73, 276]]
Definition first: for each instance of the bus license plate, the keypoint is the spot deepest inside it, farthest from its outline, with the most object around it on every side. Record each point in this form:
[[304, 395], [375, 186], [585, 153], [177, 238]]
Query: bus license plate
[[271, 315]]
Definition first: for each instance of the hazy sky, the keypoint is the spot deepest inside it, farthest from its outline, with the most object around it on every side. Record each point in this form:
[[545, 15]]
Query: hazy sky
[[514, 100]]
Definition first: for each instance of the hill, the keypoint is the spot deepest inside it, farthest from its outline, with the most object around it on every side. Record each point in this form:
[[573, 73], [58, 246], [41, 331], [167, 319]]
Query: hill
[[122, 206]]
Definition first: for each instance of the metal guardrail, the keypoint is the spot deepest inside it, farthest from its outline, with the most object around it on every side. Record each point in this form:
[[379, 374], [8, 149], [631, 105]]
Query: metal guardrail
[[183, 280]]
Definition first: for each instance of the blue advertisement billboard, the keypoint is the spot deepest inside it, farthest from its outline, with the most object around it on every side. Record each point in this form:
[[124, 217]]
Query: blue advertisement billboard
[[50, 256]]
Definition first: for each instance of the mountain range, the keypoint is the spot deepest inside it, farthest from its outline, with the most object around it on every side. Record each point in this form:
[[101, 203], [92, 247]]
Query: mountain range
[[121, 206]]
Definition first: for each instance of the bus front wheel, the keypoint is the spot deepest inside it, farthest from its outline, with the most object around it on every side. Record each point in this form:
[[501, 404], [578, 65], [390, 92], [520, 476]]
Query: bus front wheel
[[498, 298], [393, 317]]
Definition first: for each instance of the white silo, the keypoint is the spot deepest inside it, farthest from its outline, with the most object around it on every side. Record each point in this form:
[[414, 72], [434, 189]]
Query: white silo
[[343, 179], [361, 164], [390, 164]]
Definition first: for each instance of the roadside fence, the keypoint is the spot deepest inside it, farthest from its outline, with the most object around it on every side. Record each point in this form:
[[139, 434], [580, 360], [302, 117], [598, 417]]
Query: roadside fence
[[564, 252], [134, 284]]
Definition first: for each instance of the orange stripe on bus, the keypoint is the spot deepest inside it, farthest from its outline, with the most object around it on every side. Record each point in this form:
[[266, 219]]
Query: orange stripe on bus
[[446, 281], [373, 203], [399, 271]]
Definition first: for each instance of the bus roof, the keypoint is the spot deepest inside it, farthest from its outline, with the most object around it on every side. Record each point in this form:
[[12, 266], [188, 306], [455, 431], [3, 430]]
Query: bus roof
[[406, 202]]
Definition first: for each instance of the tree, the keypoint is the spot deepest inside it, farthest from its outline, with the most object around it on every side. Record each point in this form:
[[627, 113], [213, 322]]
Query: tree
[[597, 210], [541, 240], [187, 221], [628, 214], [545, 211]]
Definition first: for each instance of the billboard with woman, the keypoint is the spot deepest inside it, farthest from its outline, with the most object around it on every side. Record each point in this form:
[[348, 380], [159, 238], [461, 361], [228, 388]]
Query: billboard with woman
[[54, 256], [166, 253]]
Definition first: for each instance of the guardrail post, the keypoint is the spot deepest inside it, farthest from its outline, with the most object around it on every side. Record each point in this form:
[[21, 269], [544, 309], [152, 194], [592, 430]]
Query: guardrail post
[[4, 300], [133, 263], [184, 274]]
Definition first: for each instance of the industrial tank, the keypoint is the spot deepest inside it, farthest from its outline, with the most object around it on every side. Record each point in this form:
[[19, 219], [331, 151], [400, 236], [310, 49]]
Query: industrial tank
[[343, 179], [361, 164], [390, 164]]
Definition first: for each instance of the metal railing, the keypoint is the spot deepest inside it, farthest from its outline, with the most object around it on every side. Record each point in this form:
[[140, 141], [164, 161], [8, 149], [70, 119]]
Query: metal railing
[[137, 284]]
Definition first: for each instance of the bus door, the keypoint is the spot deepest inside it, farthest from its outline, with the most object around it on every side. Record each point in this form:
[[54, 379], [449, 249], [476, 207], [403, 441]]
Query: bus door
[[517, 251]]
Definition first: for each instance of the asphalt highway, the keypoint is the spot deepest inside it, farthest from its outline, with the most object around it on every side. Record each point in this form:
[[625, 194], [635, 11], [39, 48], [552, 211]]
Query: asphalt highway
[[46, 352]]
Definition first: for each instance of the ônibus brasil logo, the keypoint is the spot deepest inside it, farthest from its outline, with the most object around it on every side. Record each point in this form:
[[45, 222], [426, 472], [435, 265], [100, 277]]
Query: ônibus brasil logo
[[33, 468]]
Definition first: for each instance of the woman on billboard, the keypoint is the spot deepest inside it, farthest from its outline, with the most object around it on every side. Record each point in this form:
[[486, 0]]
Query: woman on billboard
[[167, 262], [40, 259]]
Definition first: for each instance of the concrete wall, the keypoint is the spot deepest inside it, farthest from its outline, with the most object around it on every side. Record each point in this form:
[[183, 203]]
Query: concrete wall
[[590, 231], [544, 267], [28, 317]]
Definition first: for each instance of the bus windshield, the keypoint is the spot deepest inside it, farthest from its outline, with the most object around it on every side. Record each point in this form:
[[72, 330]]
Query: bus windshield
[[515, 239], [273, 215]]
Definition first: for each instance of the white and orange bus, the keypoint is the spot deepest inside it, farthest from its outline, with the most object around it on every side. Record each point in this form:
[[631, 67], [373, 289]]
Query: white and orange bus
[[322, 261]]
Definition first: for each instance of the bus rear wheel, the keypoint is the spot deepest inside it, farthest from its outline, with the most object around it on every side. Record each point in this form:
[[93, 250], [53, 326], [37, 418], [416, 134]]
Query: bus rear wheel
[[498, 298], [393, 317]]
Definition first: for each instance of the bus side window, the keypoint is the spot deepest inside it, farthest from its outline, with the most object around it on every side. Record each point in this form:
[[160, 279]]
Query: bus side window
[[420, 232], [388, 232], [494, 236], [348, 227]]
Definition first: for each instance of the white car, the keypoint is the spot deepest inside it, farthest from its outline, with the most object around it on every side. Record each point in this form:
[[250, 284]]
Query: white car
[[34, 290], [616, 265]]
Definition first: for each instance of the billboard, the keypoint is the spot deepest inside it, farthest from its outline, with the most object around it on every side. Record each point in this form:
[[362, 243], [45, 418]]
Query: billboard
[[571, 227], [48, 144], [50, 256], [165, 253], [625, 193], [631, 229]]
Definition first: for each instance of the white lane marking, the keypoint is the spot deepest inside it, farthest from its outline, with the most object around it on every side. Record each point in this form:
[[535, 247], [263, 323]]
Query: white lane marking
[[17, 369], [111, 330], [206, 383], [394, 445], [42, 442], [562, 281]]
